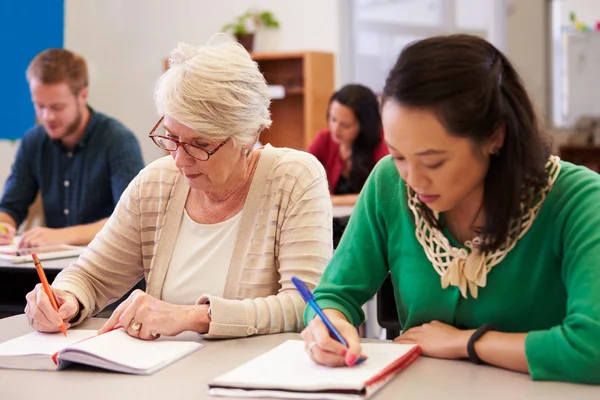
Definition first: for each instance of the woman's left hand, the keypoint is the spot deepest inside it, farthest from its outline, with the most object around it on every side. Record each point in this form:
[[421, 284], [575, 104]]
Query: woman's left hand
[[146, 317], [438, 340]]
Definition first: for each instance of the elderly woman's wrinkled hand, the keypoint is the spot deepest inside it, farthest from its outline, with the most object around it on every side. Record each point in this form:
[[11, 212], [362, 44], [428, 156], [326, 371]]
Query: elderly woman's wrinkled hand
[[147, 317], [42, 316]]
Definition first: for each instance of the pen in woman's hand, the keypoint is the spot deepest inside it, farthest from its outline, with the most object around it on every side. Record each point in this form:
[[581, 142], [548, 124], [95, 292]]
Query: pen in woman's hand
[[310, 300], [47, 289]]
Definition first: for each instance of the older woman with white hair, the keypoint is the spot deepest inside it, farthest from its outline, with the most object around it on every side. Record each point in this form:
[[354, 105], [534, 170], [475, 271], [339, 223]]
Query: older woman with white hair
[[217, 229]]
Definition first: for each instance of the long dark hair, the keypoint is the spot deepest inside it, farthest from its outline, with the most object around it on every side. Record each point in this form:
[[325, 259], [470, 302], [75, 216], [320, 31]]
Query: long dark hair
[[365, 106], [474, 90]]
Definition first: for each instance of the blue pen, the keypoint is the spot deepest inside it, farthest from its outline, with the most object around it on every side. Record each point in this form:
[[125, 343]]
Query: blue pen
[[310, 300]]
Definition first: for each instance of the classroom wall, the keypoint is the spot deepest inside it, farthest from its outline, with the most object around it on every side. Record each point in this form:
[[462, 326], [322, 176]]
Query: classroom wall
[[530, 47], [32, 27], [586, 11], [126, 42], [527, 27]]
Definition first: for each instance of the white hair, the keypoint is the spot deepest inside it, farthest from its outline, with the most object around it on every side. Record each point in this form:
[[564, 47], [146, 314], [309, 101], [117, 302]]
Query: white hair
[[216, 90]]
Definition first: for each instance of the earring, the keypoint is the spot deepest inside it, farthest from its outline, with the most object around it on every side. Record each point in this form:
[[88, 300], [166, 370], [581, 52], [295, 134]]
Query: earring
[[496, 151]]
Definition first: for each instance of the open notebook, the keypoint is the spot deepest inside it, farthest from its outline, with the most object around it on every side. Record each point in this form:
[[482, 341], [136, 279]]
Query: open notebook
[[114, 350], [287, 371]]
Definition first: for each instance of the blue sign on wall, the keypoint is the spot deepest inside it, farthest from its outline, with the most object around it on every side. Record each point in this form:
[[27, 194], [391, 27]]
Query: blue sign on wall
[[27, 28]]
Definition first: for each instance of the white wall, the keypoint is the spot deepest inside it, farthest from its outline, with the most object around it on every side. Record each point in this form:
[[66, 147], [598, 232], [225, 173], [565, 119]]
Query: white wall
[[527, 49], [8, 149], [586, 11], [529, 43], [126, 42]]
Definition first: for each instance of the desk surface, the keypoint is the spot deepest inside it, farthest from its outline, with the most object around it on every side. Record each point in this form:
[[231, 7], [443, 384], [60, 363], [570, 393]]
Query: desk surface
[[342, 211], [188, 379]]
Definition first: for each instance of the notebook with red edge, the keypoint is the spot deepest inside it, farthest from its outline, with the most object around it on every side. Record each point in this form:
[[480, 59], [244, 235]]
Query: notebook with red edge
[[287, 372]]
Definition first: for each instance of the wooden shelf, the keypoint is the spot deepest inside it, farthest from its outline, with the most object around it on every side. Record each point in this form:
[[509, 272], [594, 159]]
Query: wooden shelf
[[294, 91], [309, 81], [588, 156], [277, 56]]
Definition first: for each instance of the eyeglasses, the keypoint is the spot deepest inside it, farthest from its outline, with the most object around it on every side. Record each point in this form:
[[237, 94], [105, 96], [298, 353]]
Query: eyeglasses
[[171, 144]]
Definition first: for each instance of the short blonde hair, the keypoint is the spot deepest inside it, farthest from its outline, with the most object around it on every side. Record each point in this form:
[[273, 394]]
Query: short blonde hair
[[216, 90]]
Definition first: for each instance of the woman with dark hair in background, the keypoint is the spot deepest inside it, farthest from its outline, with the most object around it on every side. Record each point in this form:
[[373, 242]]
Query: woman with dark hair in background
[[493, 245], [353, 143]]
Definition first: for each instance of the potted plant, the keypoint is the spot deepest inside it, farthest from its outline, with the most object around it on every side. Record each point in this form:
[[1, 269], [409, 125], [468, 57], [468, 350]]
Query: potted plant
[[247, 24]]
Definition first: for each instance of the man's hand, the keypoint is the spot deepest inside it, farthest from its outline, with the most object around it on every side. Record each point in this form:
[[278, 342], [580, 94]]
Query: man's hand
[[7, 233], [42, 236]]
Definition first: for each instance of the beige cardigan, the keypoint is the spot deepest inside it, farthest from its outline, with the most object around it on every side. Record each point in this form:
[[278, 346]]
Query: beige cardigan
[[285, 231]]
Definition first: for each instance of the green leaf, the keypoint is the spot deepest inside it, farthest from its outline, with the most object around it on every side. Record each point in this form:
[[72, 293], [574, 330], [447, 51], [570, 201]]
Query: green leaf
[[240, 26], [268, 19]]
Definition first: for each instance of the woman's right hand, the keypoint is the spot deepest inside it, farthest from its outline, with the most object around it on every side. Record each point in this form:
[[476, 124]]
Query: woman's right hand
[[325, 350], [7, 233], [42, 316]]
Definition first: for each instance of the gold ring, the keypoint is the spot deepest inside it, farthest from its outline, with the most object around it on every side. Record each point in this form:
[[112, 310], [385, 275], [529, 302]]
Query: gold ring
[[135, 326]]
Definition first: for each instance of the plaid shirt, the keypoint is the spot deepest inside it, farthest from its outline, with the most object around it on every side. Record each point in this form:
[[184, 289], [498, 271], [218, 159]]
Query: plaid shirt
[[78, 186]]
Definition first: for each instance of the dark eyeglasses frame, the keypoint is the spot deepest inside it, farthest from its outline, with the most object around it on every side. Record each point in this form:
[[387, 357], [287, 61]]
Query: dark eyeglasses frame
[[152, 136]]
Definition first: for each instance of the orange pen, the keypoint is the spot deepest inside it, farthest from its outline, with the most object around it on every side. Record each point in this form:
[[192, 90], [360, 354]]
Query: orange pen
[[42, 275]]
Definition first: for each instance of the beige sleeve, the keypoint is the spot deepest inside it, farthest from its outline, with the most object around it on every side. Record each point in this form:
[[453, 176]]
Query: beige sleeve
[[305, 247], [112, 263]]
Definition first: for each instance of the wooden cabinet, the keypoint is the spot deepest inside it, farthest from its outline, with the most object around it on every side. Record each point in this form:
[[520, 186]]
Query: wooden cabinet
[[588, 156], [308, 80]]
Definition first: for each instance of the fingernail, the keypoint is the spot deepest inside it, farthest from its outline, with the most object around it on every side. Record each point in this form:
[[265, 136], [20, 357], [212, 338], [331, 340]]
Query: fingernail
[[350, 360], [62, 314]]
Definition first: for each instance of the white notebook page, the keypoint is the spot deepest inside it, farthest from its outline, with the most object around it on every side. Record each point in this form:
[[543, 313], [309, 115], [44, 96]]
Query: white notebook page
[[43, 343], [289, 367], [120, 348]]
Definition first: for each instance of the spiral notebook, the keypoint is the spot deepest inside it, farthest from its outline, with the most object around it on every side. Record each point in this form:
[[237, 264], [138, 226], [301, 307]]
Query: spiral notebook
[[287, 372], [114, 350]]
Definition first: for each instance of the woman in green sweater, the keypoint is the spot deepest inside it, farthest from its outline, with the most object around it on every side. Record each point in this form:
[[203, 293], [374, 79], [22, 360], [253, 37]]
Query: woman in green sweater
[[485, 234]]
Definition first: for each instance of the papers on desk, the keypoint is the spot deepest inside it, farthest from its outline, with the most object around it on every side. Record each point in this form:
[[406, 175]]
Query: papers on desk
[[21, 255], [276, 92], [114, 350], [288, 372]]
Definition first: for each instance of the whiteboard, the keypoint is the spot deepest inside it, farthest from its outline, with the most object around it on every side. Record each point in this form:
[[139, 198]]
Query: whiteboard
[[582, 76]]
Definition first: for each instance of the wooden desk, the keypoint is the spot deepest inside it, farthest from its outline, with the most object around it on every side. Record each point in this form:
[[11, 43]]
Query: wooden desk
[[16, 280], [188, 379]]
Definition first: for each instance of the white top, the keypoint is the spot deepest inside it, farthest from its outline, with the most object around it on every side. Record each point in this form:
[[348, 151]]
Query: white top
[[200, 260]]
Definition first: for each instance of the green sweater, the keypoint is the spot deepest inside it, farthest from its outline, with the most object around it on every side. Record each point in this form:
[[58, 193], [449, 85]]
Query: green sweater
[[548, 285]]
